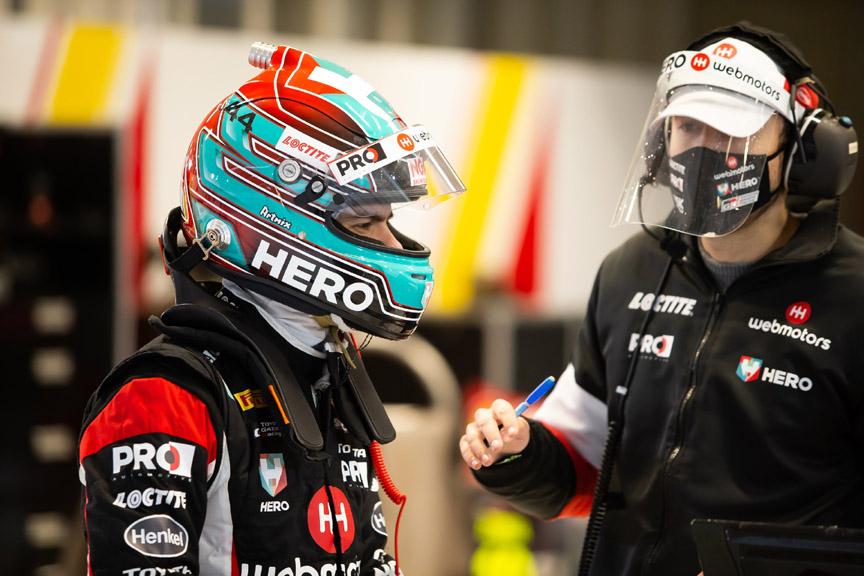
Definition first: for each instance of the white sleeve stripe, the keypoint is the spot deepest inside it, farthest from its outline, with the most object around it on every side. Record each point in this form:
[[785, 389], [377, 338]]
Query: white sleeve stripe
[[217, 535], [578, 415]]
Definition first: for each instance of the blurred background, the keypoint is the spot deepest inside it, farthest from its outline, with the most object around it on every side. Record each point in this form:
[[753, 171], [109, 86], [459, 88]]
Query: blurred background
[[537, 103]]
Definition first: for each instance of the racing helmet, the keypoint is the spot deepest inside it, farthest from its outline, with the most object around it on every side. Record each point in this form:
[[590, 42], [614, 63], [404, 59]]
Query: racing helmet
[[719, 116], [273, 167]]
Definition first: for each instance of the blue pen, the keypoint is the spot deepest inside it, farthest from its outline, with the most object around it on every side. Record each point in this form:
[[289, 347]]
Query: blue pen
[[538, 393]]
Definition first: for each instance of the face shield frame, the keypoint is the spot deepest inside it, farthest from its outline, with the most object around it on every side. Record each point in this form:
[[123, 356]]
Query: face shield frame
[[705, 182]]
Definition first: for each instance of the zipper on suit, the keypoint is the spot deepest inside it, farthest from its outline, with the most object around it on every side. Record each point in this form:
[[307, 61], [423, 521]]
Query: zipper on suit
[[678, 432]]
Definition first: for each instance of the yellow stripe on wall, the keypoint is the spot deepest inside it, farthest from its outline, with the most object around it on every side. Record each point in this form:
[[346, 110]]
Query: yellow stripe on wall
[[86, 74], [455, 290]]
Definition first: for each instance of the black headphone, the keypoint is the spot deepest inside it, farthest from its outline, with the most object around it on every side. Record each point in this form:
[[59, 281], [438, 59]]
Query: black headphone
[[821, 159]]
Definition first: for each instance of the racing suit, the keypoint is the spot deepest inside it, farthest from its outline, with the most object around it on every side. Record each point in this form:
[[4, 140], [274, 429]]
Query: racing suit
[[189, 466], [744, 404]]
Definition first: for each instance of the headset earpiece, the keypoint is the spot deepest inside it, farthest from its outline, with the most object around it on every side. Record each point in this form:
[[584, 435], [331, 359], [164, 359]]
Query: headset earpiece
[[826, 165], [830, 156]]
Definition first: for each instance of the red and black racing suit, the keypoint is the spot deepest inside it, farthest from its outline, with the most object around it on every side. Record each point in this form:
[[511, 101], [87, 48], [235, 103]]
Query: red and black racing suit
[[186, 472]]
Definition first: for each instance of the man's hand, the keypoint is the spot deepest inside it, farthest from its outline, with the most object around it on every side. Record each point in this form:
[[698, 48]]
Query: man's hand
[[495, 432]]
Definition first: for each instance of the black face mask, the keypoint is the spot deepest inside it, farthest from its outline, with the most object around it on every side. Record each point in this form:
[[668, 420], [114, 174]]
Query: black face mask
[[714, 192]]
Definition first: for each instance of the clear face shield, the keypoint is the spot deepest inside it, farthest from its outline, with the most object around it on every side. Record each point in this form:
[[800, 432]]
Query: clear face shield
[[700, 162]]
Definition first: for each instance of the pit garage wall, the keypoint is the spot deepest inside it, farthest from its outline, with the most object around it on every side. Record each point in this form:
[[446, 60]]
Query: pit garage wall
[[542, 143]]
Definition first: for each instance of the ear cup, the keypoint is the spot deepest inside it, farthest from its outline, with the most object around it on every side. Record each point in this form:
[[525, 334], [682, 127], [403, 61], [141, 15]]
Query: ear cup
[[830, 157]]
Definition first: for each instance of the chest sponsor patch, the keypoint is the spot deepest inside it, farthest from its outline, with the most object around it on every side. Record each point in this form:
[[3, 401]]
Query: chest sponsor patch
[[354, 471], [652, 346], [271, 470], [299, 568], [377, 520], [267, 429], [664, 303], [752, 369], [794, 332], [249, 399], [324, 521]]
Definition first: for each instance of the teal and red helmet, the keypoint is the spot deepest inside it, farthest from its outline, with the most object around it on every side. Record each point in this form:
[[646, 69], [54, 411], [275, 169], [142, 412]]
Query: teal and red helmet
[[273, 166]]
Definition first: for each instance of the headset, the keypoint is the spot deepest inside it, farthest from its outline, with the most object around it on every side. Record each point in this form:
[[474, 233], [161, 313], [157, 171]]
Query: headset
[[821, 158]]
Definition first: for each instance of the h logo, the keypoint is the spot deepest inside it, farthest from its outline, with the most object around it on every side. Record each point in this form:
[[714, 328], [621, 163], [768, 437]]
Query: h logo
[[324, 517], [725, 51], [699, 62], [798, 312]]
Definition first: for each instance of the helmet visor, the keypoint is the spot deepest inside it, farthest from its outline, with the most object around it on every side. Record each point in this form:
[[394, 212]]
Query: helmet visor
[[700, 161], [405, 168]]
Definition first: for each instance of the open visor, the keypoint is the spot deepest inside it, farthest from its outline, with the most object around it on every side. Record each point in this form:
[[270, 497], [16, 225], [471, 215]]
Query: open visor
[[700, 162], [406, 168]]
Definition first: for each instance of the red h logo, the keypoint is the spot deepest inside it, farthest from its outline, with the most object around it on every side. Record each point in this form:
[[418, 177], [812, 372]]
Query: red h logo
[[699, 62]]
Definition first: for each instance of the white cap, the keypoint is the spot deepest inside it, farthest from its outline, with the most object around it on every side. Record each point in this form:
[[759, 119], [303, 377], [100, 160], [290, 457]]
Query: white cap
[[729, 112], [730, 85]]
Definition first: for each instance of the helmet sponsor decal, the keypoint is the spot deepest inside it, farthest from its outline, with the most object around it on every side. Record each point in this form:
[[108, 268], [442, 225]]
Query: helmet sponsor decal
[[798, 313], [159, 536], [271, 470], [313, 279], [303, 147], [656, 346], [323, 521], [405, 142], [417, 171], [365, 160], [377, 520], [172, 457], [750, 369], [268, 214]]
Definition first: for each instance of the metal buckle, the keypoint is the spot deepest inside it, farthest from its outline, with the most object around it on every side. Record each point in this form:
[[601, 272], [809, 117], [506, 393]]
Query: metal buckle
[[205, 250]]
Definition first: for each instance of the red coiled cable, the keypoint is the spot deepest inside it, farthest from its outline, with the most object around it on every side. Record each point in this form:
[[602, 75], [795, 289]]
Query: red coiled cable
[[390, 489]]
